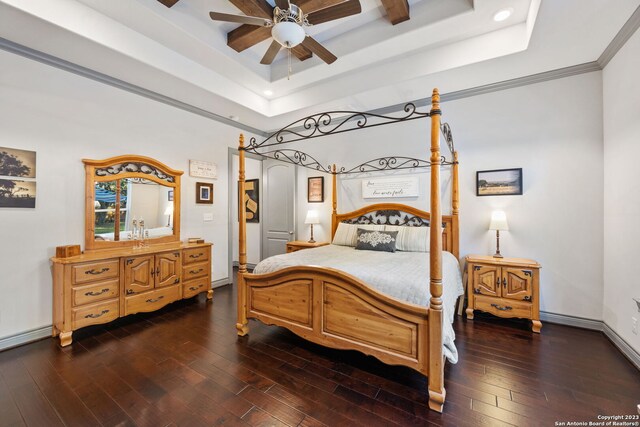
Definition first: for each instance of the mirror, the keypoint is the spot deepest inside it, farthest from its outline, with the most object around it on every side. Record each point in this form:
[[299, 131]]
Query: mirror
[[129, 197], [145, 207]]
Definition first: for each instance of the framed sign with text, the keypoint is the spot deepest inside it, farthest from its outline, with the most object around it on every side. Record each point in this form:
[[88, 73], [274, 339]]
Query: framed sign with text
[[202, 169], [392, 187]]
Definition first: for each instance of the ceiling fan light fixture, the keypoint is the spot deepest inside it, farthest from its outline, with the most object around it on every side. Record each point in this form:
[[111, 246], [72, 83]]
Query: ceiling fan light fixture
[[288, 34]]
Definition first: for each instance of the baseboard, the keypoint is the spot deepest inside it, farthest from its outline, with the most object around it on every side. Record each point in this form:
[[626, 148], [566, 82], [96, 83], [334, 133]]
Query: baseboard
[[596, 325], [220, 282], [25, 337], [578, 322], [618, 341]]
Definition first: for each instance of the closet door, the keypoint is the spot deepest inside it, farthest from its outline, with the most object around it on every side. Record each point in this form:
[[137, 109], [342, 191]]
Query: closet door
[[279, 226]]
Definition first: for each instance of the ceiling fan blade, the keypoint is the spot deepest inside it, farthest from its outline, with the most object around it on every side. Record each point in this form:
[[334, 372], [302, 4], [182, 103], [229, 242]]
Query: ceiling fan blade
[[313, 5], [241, 19], [342, 10], [271, 53], [282, 4], [315, 47]]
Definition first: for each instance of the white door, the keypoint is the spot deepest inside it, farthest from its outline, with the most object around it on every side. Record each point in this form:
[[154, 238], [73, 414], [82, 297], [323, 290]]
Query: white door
[[278, 228]]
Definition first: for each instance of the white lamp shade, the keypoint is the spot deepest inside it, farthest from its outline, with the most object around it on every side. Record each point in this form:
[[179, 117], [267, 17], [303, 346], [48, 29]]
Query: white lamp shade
[[312, 218], [288, 34], [169, 210], [498, 221]]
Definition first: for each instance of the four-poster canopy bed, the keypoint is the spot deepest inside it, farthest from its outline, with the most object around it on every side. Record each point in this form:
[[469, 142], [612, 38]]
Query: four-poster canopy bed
[[336, 309]]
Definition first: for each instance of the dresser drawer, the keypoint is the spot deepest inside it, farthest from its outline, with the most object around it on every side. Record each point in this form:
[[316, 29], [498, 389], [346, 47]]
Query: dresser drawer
[[150, 301], [194, 271], [194, 287], [194, 255], [503, 307], [94, 271], [94, 314], [95, 292]]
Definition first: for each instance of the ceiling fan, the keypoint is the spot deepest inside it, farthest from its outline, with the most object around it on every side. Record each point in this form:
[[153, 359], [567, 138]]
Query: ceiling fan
[[289, 20]]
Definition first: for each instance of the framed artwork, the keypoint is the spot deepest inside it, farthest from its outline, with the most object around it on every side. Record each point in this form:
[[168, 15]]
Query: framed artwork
[[15, 193], [204, 192], [170, 196], [20, 164], [14, 162], [499, 182], [251, 200], [315, 189]]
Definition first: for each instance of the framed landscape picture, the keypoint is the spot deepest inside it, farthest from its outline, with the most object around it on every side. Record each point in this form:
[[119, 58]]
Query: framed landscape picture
[[315, 189], [499, 182], [204, 192]]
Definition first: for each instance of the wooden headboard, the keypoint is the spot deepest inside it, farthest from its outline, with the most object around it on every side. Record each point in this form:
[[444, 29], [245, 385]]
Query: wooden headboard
[[403, 215]]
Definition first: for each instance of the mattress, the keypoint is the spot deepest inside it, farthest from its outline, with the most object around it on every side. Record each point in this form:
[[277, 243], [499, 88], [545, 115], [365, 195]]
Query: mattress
[[402, 275]]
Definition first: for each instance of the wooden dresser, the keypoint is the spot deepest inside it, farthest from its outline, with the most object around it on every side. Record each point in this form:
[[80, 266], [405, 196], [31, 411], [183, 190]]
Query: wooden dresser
[[100, 286], [297, 245], [505, 287]]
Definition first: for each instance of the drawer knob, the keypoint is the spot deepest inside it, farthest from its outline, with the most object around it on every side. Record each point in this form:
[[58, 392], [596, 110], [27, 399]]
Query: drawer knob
[[195, 271], [95, 316], [504, 282], [196, 255], [176, 281], [151, 300], [130, 291], [195, 288], [94, 272], [527, 298], [95, 294], [501, 308]]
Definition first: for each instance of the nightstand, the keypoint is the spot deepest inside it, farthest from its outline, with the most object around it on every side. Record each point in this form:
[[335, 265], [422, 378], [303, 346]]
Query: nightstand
[[297, 245], [505, 287]]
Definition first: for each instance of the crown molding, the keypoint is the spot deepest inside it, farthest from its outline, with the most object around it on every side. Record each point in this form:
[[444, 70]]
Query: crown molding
[[625, 33], [62, 64]]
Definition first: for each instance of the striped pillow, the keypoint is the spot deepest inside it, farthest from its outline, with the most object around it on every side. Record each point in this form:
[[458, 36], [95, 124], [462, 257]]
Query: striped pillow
[[411, 239], [347, 234]]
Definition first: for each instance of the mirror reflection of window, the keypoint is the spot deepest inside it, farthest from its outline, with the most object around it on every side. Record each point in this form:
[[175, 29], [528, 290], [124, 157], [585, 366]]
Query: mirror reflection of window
[[140, 199]]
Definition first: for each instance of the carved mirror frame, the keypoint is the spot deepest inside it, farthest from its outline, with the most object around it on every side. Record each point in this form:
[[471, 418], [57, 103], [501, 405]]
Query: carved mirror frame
[[121, 167]]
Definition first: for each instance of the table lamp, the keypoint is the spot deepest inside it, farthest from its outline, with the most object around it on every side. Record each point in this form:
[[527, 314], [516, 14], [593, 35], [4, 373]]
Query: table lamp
[[498, 222], [312, 218]]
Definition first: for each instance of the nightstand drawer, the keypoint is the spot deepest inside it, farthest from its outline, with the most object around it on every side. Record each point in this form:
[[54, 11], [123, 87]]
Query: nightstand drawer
[[503, 307]]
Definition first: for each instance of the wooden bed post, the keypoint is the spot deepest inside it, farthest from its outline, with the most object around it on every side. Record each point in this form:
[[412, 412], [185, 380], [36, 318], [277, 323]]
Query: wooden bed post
[[436, 361], [334, 195], [242, 325], [455, 208]]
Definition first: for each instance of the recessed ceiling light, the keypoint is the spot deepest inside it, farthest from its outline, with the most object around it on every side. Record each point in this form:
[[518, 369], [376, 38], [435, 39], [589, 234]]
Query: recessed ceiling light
[[502, 14], [268, 92]]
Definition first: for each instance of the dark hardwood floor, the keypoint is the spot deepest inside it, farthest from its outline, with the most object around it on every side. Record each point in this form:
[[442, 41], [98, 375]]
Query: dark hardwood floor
[[185, 366]]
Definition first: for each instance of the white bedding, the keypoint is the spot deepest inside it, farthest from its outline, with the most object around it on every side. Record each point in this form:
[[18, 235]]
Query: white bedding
[[402, 275]]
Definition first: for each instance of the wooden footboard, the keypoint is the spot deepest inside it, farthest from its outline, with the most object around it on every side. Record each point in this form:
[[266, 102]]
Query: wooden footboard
[[332, 308]]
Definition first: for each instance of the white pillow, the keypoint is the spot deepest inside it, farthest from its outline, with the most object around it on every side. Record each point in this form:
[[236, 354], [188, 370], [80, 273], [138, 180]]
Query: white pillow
[[347, 234], [411, 239]]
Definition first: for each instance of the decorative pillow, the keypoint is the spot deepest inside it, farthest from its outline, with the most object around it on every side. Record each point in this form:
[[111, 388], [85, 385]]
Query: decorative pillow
[[374, 240], [346, 234], [411, 239]]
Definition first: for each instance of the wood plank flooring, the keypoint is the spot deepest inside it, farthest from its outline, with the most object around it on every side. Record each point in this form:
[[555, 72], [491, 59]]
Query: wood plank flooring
[[185, 366]]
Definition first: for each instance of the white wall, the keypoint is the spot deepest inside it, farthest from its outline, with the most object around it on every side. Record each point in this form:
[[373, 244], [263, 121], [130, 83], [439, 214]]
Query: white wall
[[622, 189], [65, 118], [552, 130]]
